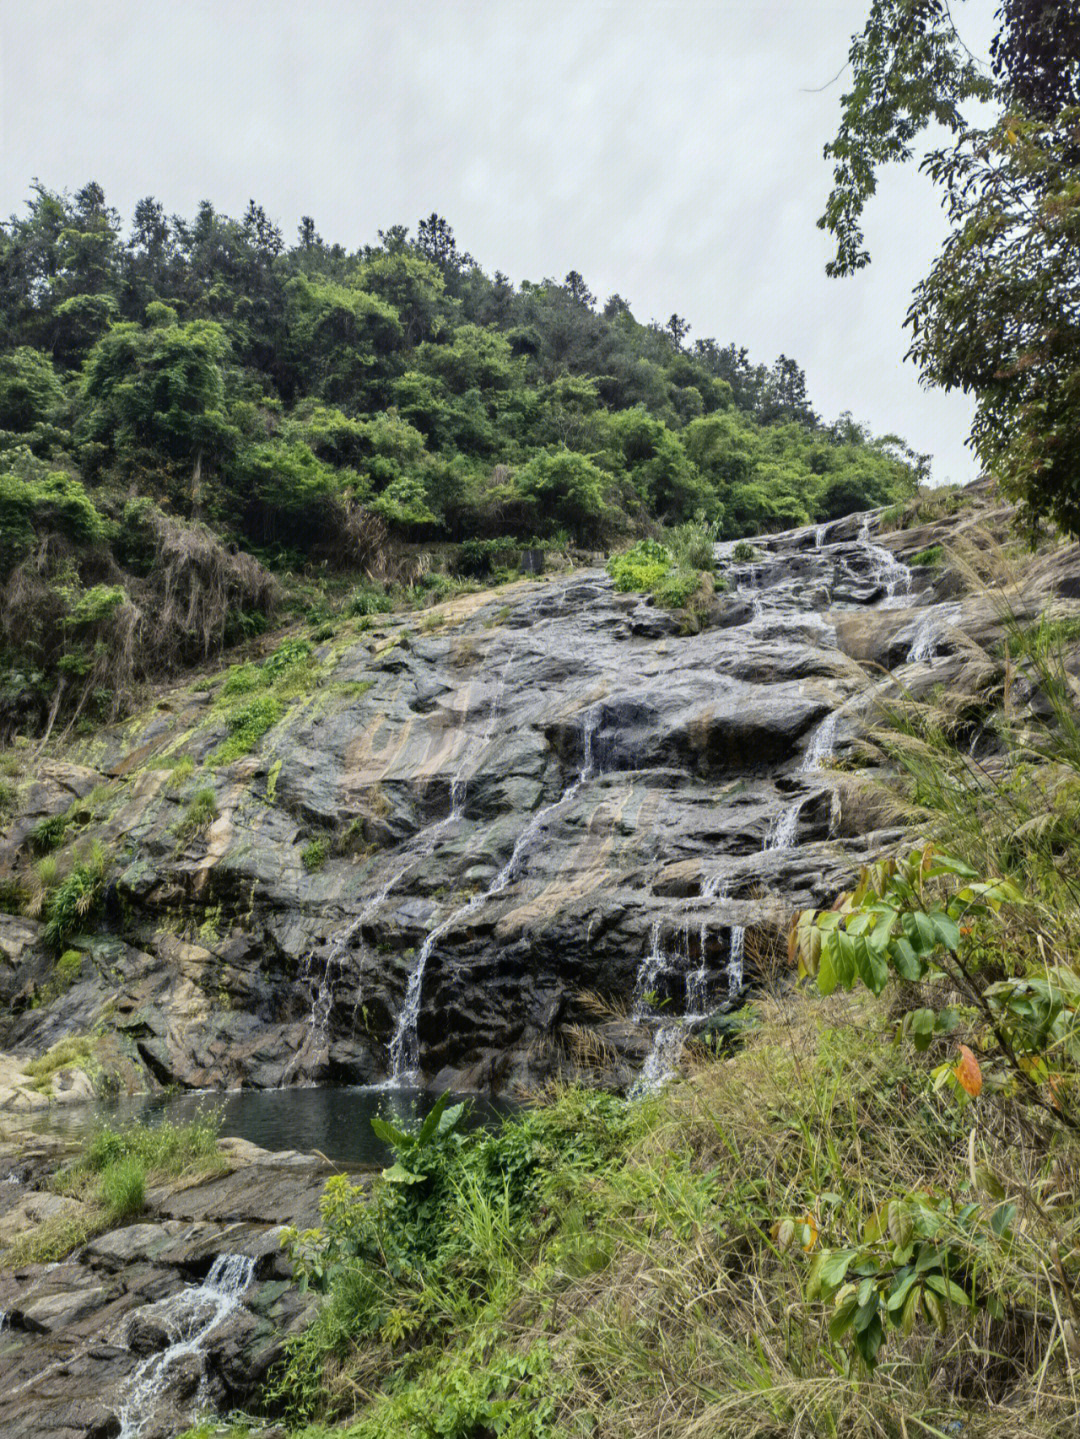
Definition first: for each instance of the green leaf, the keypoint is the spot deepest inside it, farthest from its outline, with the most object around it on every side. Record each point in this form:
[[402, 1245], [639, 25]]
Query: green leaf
[[946, 929], [451, 1118], [834, 1266], [826, 975], [898, 1297], [873, 971], [430, 1126], [947, 1289], [1002, 1218], [920, 932], [398, 1174], [906, 962], [842, 1317], [948, 864], [396, 1138], [920, 1024], [868, 1340]]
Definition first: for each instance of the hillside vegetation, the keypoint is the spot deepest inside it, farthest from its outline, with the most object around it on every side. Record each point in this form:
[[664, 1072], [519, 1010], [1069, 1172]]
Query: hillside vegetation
[[200, 426]]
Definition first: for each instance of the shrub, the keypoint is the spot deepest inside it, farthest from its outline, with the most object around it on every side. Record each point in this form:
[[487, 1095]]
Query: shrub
[[288, 653], [933, 555], [640, 567], [676, 588], [247, 726], [75, 898], [182, 770], [692, 545], [369, 601], [314, 854], [744, 553], [200, 814], [48, 834], [242, 679]]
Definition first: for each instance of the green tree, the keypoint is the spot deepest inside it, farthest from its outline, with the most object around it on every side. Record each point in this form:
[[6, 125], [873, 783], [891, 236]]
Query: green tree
[[29, 389], [996, 316], [566, 487]]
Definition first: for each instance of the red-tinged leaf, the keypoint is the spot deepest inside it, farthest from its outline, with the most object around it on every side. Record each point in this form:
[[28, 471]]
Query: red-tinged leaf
[[968, 1073]]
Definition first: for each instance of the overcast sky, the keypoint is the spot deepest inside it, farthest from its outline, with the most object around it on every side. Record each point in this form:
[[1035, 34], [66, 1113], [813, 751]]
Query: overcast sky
[[669, 151]]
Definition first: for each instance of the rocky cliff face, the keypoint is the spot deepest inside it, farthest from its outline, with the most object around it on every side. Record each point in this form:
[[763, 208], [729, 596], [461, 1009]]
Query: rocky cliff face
[[543, 809]]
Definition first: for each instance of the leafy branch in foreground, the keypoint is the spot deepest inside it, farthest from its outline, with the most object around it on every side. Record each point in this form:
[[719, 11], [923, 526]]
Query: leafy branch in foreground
[[910, 919]]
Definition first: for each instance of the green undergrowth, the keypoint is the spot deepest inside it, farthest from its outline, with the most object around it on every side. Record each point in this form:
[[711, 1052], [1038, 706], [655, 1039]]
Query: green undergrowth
[[76, 1052], [674, 573], [110, 1177], [862, 1218], [610, 1268]]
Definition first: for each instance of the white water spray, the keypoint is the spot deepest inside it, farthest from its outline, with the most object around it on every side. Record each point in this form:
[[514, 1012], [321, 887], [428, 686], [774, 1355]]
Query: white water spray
[[189, 1318]]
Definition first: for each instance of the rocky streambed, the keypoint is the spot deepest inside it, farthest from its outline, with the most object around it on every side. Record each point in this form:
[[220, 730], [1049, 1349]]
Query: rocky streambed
[[551, 825], [147, 1324]]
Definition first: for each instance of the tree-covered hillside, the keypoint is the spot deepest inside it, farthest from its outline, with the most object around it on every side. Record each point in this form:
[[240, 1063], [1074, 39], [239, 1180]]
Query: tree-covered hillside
[[189, 408]]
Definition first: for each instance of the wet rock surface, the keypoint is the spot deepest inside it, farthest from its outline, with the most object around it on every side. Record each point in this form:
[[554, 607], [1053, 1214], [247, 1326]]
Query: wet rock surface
[[146, 1323], [524, 803]]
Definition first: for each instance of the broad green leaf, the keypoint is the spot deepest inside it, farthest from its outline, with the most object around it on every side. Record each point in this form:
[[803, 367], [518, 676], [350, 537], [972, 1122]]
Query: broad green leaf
[[826, 975], [873, 971], [946, 929], [898, 1298], [396, 1138], [841, 1319], [451, 1118], [948, 1290], [398, 1174], [906, 962], [834, 1266], [430, 1126]]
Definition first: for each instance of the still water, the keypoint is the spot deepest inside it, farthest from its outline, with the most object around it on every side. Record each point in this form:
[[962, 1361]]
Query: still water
[[335, 1121]]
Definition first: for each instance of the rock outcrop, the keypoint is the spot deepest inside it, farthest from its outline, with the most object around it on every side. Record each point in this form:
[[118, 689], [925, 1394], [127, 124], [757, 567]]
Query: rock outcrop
[[135, 1331], [532, 803]]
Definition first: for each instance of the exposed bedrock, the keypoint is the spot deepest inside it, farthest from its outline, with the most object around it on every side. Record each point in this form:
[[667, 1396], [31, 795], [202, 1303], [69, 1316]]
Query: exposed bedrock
[[539, 797]]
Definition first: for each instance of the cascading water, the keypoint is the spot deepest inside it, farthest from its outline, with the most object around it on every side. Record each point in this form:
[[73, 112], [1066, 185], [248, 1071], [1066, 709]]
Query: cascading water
[[405, 1044], [888, 570], [928, 635], [188, 1318], [423, 845]]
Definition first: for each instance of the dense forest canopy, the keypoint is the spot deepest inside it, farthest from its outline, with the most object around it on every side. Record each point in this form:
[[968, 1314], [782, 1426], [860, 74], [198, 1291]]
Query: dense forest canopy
[[186, 394]]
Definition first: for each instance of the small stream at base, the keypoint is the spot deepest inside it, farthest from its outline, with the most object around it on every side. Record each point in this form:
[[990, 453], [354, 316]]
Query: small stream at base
[[336, 1121]]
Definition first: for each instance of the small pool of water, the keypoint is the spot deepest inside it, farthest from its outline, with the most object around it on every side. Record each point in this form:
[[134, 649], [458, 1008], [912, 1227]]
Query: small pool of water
[[335, 1121]]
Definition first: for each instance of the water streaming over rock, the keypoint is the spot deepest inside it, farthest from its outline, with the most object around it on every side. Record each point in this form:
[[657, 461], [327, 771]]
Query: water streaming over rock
[[458, 754], [405, 1044], [930, 634], [188, 1319], [889, 571]]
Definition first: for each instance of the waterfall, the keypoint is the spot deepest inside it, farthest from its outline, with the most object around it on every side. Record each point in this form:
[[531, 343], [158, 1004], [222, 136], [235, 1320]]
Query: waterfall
[[322, 990], [888, 570], [189, 1318], [822, 746], [668, 1043], [405, 1045], [819, 536], [648, 972], [735, 959], [924, 645]]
